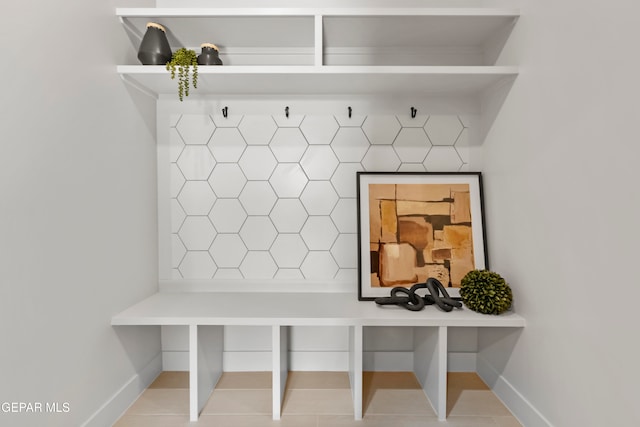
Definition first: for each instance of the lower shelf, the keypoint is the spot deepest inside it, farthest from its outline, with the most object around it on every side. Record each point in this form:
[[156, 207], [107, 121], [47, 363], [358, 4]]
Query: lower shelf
[[314, 398], [354, 80]]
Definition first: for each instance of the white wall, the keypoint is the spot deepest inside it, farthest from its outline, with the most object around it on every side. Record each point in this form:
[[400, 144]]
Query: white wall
[[77, 212], [562, 208]]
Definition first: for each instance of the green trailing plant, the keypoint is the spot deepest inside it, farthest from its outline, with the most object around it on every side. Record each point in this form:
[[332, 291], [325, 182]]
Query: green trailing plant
[[486, 292], [182, 60]]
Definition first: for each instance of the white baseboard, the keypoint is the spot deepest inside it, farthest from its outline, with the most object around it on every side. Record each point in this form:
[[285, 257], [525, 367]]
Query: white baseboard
[[519, 406], [248, 361], [113, 408]]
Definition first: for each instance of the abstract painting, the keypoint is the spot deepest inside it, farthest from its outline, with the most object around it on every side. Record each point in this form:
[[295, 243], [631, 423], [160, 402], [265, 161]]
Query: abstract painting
[[413, 226]]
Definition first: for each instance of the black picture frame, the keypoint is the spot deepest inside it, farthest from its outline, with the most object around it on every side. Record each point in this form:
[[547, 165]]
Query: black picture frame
[[415, 225]]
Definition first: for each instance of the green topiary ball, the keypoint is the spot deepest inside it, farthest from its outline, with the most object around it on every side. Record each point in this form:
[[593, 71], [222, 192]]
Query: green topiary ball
[[485, 292]]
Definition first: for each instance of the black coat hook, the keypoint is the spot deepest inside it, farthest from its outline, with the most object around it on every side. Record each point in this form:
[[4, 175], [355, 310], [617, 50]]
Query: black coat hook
[[286, 112], [225, 112], [350, 110], [414, 111]]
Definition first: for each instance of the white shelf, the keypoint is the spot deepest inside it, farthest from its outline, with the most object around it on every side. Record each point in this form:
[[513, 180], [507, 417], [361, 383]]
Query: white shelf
[[207, 313], [294, 309], [287, 80], [331, 50]]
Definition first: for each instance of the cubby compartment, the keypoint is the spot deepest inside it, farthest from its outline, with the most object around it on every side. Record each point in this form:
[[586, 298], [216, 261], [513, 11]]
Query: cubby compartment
[[416, 38], [424, 360], [335, 384], [242, 39]]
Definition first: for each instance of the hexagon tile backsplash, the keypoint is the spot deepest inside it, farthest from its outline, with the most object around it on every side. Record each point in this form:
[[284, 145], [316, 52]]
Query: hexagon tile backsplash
[[257, 198]]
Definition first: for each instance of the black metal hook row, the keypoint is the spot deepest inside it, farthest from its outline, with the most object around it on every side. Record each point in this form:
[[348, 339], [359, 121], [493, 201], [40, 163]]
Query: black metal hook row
[[414, 302], [225, 112]]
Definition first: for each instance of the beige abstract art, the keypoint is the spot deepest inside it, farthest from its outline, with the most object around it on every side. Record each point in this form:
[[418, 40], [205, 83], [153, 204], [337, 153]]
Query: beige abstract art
[[419, 231]]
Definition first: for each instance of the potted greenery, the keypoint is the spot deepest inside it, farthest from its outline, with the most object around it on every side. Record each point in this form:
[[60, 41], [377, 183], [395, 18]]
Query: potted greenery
[[486, 292], [182, 60]]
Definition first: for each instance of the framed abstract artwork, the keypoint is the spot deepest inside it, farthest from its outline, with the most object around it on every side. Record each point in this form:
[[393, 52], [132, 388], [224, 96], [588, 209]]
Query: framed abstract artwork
[[416, 225]]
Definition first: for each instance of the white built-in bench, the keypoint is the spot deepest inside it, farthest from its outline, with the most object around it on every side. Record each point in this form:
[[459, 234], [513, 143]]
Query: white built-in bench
[[206, 314]]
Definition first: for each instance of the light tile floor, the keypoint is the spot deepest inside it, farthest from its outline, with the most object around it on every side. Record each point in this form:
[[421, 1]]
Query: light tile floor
[[318, 399]]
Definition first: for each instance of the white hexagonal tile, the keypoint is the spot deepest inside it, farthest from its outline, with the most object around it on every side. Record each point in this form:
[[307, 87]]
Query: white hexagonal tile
[[258, 265], [196, 197], [227, 145], [350, 144], [173, 119], [175, 274], [464, 139], [176, 144], [344, 179], [319, 265], [258, 198], [231, 121], [468, 120], [443, 159], [319, 129], [469, 154], [411, 167], [257, 162], [228, 273], [345, 215], [288, 145], [288, 215], [345, 250], [197, 233], [288, 250], [288, 180], [347, 275], [178, 250], [257, 130], [227, 180], [412, 145], [381, 130], [195, 128], [443, 129], [228, 250], [258, 233], [289, 274], [319, 233], [197, 265], [353, 121], [407, 121], [177, 215], [319, 162], [196, 162], [381, 158], [319, 197], [176, 180], [293, 121], [227, 215]]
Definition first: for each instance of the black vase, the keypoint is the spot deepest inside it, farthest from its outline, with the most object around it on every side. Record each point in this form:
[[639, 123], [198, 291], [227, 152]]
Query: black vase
[[209, 55], [154, 48]]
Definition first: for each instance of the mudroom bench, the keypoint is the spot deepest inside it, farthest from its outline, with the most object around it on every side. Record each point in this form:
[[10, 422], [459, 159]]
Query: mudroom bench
[[206, 314]]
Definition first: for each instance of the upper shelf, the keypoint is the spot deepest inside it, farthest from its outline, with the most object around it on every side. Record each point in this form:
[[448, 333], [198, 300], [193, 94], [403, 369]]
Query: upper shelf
[[376, 27], [331, 51]]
